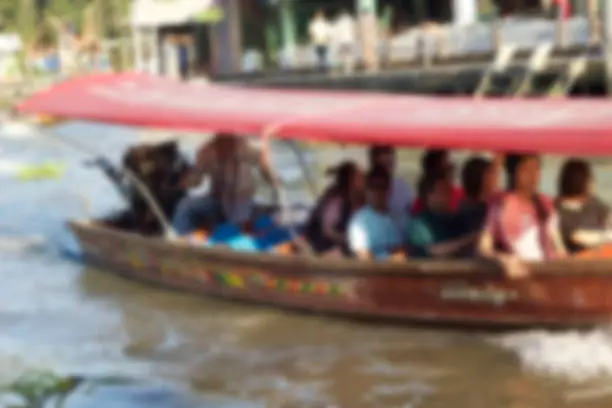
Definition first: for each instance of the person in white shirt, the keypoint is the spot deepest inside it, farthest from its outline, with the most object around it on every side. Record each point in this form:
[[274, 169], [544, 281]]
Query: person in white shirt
[[401, 194], [345, 38], [320, 33]]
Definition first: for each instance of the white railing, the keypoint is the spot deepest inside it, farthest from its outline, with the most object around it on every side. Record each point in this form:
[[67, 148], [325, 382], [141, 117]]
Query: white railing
[[451, 41]]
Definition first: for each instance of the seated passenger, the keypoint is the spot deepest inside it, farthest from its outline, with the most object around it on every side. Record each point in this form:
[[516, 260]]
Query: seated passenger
[[522, 222], [229, 162], [326, 228], [437, 231], [402, 195], [583, 217], [372, 232], [436, 162], [479, 182], [157, 167]]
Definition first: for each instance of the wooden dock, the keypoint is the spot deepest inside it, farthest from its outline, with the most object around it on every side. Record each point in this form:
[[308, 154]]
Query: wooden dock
[[459, 75]]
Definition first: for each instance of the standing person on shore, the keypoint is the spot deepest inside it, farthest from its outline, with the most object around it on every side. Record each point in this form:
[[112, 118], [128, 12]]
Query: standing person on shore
[[345, 36], [320, 31]]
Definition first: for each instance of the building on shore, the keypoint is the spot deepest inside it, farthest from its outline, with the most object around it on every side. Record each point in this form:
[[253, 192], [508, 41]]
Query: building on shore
[[215, 35], [183, 37]]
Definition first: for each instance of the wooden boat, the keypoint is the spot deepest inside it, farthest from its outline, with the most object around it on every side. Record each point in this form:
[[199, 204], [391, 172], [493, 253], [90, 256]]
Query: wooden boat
[[569, 292]]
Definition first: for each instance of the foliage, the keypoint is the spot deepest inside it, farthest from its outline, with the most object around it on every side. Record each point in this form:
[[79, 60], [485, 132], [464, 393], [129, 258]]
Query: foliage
[[36, 390], [8, 13], [48, 390], [69, 11], [24, 16]]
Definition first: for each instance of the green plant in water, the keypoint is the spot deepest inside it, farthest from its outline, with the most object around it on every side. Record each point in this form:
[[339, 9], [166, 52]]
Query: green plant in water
[[38, 390]]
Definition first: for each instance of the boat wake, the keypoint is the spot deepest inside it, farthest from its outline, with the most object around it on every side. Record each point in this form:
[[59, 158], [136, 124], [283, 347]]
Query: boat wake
[[579, 357], [11, 167], [16, 130], [22, 244]]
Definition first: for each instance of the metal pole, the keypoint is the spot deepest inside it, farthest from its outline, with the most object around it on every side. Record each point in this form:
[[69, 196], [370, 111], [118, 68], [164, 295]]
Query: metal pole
[[287, 20], [594, 14], [139, 185], [607, 23]]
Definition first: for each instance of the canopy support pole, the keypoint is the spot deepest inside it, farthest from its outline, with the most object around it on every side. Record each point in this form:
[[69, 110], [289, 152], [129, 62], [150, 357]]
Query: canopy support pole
[[281, 196], [308, 177], [140, 186], [607, 44]]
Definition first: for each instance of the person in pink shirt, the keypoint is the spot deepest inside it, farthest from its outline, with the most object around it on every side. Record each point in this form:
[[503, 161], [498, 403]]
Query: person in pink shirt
[[522, 224]]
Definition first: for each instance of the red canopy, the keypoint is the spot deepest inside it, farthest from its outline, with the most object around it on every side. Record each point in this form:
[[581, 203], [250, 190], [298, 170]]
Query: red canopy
[[571, 127]]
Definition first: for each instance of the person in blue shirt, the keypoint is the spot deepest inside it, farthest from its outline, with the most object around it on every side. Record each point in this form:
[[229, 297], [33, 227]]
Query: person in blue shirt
[[372, 233], [438, 231]]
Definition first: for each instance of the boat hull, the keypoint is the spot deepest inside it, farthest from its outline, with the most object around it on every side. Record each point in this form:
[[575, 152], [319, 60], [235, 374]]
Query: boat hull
[[466, 293]]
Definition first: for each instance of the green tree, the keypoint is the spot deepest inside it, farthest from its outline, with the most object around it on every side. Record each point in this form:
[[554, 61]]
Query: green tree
[[28, 16], [68, 11], [8, 14]]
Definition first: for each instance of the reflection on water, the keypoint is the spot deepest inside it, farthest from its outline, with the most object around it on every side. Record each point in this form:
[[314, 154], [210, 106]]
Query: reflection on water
[[56, 315]]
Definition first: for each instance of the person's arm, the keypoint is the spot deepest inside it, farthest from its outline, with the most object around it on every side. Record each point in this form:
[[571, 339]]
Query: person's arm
[[486, 245], [420, 236], [555, 231], [264, 161], [359, 241], [452, 247], [201, 167], [330, 217], [591, 238], [513, 267]]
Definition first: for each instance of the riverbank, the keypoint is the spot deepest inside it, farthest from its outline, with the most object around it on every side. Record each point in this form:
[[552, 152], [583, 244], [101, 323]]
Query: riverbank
[[11, 92]]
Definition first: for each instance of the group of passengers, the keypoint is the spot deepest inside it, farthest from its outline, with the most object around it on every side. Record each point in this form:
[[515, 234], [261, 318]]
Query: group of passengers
[[377, 215]]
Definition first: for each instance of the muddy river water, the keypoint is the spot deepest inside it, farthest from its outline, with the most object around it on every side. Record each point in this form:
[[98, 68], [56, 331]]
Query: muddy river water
[[56, 315]]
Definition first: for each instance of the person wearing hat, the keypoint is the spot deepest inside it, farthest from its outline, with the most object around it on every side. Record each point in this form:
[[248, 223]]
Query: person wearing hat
[[372, 231]]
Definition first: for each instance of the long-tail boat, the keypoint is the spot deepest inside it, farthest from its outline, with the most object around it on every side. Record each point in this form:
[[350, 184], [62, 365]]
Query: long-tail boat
[[568, 292]]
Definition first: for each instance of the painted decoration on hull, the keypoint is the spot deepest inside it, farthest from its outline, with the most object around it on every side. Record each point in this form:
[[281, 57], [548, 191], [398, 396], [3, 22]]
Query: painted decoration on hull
[[474, 294], [144, 260]]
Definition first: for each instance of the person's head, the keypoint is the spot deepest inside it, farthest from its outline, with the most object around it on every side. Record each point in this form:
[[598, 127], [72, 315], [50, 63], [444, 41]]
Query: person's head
[[378, 185], [343, 13], [348, 177], [436, 161], [384, 156], [523, 173], [575, 179], [436, 191], [478, 178], [225, 143]]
